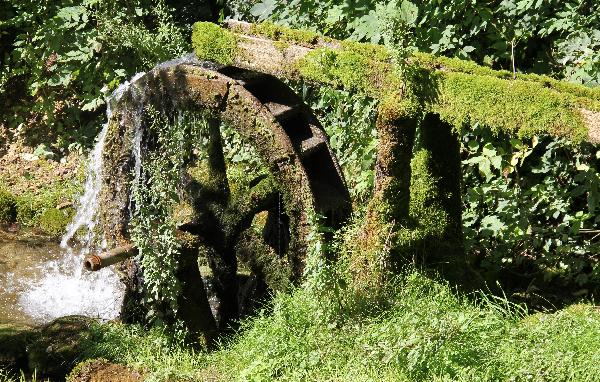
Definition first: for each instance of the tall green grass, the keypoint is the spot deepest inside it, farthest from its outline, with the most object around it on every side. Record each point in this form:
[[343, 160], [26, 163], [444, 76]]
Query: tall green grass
[[421, 331]]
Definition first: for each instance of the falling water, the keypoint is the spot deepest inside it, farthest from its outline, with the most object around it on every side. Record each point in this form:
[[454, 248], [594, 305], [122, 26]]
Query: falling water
[[63, 287]]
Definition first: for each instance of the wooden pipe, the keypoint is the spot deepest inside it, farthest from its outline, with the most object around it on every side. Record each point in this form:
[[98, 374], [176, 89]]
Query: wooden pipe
[[116, 255]]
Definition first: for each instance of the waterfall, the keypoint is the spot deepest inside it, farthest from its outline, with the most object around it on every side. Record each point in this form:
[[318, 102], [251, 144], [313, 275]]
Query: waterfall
[[64, 288]]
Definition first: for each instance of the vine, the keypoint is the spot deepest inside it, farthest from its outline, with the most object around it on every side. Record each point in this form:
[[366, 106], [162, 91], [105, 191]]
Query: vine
[[156, 195]]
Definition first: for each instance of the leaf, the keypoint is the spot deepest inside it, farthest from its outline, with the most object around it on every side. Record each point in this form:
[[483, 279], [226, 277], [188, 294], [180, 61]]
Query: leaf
[[514, 160], [264, 9], [485, 169], [473, 145], [366, 27], [409, 12], [489, 150], [493, 224], [496, 162]]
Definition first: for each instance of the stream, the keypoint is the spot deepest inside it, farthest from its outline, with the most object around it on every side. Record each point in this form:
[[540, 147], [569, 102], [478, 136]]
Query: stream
[[40, 281]]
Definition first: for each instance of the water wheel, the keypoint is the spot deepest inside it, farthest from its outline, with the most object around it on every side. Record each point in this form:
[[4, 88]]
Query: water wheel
[[301, 176]]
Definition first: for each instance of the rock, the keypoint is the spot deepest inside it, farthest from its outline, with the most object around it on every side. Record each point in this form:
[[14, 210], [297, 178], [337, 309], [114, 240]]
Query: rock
[[101, 370], [64, 205], [13, 346], [59, 345]]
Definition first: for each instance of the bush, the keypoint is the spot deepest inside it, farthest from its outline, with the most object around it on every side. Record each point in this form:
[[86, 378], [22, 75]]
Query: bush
[[65, 56], [532, 207], [8, 207]]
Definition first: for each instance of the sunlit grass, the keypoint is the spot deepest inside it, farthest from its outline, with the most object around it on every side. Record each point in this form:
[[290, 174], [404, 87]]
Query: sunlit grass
[[425, 332]]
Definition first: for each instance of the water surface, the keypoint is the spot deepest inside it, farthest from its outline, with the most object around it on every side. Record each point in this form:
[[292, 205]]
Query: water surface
[[40, 281]]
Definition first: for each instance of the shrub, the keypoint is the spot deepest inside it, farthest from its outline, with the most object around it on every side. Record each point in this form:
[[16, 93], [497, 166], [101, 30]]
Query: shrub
[[8, 208], [65, 56]]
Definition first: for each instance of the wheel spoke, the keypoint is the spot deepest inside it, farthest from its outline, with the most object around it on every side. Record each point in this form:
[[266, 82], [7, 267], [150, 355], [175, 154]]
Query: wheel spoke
[[262, 196], [216, 160], [262, 260]]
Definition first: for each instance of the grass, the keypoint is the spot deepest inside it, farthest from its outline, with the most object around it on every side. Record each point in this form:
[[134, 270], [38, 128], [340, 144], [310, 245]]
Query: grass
[[422, 331]]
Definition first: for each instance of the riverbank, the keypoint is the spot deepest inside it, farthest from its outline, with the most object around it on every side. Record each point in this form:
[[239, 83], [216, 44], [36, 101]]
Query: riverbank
[[37, 191]]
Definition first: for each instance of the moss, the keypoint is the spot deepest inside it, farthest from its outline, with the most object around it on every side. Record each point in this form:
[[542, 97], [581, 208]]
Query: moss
[[462, 92], [59, 346], [212, 43], [372, 51], [428, 215], [54, 221], [281, 45], [30, 207], [488, 101], [349, 69], [456, 65], [13, 346], [524, 108], [8, 207], [279, 33]]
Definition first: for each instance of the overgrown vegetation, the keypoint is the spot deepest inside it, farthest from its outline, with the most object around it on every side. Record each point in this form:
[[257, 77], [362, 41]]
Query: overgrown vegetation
[[62, 59], [157, 190], [549, 37], [530, 202], [423, 331], [38, 208], [531, 208]]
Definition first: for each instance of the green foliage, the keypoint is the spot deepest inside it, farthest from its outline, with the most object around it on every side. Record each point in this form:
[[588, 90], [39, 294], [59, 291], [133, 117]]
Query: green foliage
[[349, 120], [427, 333], [8, 207], [6, 376], [424, 332], [532, 203], [156, 194], [65, 56]]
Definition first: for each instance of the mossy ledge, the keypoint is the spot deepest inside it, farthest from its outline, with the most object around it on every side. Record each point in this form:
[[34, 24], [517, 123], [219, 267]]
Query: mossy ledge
[[461, 92], [214, 43]]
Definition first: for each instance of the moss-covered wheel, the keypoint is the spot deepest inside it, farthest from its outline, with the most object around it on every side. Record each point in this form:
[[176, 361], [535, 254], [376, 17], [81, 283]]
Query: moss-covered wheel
[[259, 215]]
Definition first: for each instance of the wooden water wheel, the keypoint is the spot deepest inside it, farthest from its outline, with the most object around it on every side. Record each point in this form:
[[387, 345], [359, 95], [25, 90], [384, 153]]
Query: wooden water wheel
[[302, 176]]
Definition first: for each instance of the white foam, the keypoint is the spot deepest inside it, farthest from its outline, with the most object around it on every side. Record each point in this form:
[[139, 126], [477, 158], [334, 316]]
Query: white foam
[[60, 292]]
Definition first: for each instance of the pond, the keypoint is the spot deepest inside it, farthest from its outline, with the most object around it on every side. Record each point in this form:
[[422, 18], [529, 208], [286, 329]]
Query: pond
[[40, 281]]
